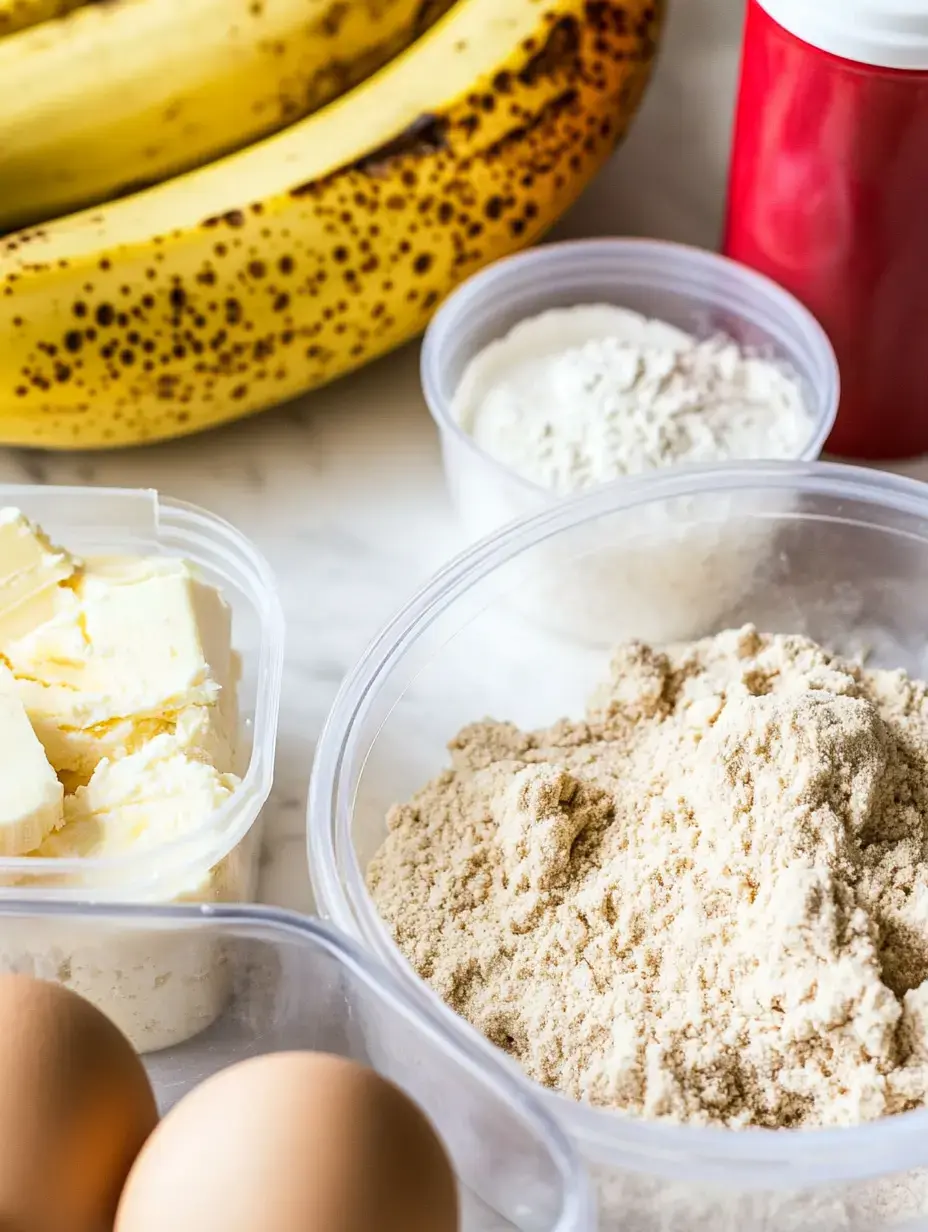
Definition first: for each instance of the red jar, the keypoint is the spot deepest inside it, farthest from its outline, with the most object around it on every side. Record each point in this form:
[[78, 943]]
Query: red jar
[[828, 195]]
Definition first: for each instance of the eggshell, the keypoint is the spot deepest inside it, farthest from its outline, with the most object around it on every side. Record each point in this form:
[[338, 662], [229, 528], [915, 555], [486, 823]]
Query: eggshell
[[292, 1142], [75, 1108]]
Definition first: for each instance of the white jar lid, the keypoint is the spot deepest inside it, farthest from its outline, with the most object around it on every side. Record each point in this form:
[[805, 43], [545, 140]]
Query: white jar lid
[[887, 33]]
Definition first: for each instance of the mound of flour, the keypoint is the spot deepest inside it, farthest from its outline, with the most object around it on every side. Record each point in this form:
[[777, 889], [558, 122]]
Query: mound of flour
[[706, 901]]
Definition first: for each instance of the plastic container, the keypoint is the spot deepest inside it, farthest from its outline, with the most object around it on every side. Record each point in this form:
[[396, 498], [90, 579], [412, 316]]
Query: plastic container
[[847, 567], [171, 992], [829, 177], [294, 984], [696, 291]]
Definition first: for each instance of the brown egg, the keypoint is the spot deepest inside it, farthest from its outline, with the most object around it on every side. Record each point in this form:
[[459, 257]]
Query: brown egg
[[75, 1108], [292, 1142]]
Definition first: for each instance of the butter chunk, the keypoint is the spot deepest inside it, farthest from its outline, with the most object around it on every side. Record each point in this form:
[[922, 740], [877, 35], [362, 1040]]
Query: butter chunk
[[30, 793], [207, 733], [140, 802], [201, 731], [31, 572], [142, 649]]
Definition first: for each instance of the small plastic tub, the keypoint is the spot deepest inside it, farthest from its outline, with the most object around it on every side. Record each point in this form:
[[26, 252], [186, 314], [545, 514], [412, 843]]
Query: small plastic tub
[[697, 291], [295, 984], [847, 567], [100, 521]]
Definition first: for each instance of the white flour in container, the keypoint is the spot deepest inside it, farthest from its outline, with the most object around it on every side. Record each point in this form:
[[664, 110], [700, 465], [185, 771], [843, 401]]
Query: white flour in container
[[160, 985], [161, 988], [580, 396]]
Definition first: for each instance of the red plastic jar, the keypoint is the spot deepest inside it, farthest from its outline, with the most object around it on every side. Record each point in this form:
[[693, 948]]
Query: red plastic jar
[[828, 195]]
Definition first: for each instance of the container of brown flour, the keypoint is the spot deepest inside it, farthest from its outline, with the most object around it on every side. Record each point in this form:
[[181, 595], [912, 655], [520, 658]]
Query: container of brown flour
[[847, 573]]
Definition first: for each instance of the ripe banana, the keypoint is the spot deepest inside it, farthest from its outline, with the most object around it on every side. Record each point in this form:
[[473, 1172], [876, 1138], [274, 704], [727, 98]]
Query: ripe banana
[[21, 14], [120, 94], [278, 268]]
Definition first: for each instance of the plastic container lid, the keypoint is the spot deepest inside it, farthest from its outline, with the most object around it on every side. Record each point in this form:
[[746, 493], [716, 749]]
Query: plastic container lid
[[884, 33]]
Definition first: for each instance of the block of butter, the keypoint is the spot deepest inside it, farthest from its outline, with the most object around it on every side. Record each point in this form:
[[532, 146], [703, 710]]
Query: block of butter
[[31, 797], [158, 793], [134, 649], [136, 803], [31, 571], [205, 732]]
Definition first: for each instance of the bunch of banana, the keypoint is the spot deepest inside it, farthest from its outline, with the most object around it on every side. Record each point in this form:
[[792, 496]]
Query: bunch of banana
[[282, 266], [21, 14], [129, 92]]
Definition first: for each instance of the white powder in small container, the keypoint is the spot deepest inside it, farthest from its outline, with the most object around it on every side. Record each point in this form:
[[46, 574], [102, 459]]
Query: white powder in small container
[[585, 395], [582, 396]]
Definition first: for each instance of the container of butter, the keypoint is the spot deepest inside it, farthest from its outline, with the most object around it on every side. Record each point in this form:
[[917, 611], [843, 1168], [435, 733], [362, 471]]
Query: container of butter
[[141, 649]]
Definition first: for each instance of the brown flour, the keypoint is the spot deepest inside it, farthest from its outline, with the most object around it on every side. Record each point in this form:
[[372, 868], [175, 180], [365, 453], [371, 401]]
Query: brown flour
[[706, 902]]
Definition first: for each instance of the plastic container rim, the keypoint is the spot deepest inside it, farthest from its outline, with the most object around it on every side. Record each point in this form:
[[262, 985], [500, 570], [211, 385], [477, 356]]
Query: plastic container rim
[[562, 252], [227, 825], [765, 1158], [576, 1212]]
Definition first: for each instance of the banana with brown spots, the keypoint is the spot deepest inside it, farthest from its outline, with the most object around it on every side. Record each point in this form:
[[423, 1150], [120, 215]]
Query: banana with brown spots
[[129, 92], [278, 268]]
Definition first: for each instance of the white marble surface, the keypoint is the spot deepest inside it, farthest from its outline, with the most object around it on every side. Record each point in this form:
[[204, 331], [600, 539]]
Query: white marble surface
[[343, 490]]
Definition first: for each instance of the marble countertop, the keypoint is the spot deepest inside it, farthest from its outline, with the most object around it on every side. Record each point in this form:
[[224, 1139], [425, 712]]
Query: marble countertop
[[343, 489]]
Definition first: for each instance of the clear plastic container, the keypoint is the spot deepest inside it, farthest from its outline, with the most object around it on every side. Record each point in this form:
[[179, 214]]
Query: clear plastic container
[[295, 984], [99, 521], [847, 566], [697, 291]]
